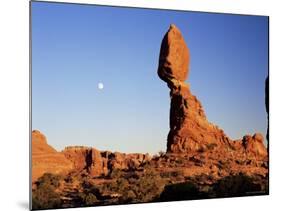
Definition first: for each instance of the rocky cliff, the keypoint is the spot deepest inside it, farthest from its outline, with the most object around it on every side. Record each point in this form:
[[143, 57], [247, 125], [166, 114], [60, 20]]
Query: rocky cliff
[[45, 159], [98, 163], [79, 159]]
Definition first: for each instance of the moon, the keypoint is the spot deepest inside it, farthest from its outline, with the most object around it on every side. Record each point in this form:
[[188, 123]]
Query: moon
[[100, 86]]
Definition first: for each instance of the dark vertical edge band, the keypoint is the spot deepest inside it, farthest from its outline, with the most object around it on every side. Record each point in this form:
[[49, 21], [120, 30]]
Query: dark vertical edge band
[[268, 94]]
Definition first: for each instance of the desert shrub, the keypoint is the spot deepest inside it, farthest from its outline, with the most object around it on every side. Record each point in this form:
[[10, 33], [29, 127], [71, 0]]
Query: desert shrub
[[148, 187], [136, 188], [45, 197], [90, 195], [180, 161], [223, 164], [165, 174], [128, 196], [121, 184], [169, 174], [161, 153], [181, 191], [237, 185], [53, 180], [116, 173], [201, 149], [211, 146], [69, 179], [88, 199], [86, 184]]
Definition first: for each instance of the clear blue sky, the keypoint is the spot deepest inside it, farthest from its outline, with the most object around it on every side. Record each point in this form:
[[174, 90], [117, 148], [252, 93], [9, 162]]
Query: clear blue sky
[[74, 47]]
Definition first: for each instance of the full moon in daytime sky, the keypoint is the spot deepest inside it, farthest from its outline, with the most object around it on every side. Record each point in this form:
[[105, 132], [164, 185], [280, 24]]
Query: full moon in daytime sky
[[100, 85]]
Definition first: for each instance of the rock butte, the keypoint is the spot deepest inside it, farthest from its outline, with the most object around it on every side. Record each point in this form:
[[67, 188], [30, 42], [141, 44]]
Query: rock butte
[[45, 159], [189, 127]]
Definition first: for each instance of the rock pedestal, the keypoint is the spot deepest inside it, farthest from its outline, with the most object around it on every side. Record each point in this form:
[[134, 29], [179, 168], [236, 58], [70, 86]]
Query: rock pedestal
[[190, 130]]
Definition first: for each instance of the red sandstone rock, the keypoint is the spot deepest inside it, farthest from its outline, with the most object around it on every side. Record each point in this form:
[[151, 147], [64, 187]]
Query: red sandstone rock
[[98, 163], [39, 143], [189, 127], [190, 130], [79, 159], [80, 156], [45, 159], [254, 144], [174, 56]]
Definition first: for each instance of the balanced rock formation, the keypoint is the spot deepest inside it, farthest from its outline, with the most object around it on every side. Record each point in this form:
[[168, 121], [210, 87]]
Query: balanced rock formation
[[45, 159], [173, 47], [189, 128]]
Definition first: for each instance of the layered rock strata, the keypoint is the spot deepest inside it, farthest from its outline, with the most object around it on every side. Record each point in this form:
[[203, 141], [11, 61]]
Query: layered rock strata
[[45, 159]]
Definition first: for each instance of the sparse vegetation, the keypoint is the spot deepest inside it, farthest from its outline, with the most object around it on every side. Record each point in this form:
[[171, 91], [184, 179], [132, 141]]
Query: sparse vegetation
[[88, 199], [133, 187], [45, 195], [211, 146], [49, 179], [90, 194], [147, 185], [161, 153], [116, 173]]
